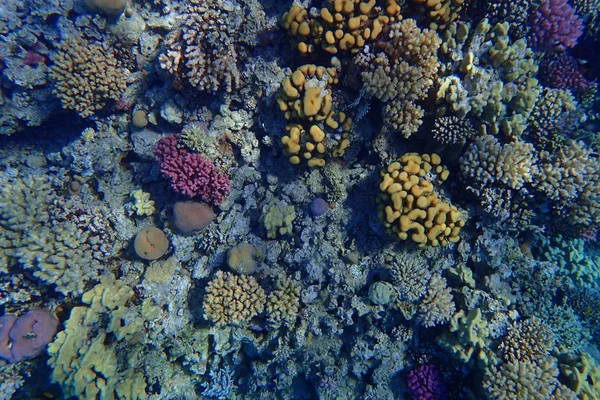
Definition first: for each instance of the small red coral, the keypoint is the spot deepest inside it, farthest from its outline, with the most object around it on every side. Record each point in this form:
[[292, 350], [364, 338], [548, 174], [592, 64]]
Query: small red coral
[[191, 174]]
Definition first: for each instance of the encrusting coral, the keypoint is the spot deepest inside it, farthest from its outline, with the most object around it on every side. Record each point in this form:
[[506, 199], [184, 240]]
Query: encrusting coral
[[409, 206], [87, 76]]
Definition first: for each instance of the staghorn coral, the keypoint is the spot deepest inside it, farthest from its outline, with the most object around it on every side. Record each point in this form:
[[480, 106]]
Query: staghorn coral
[[409, 206], [232, 299], [87, 76], [203, 51], [488, 162], [341, 26], [400, 71], [450, 130], [283, 304], [529, 339]]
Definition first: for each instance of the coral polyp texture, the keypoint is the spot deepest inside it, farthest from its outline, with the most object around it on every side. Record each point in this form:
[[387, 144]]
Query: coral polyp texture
[[316, 199], [191, 174], [202, 51], [400, 71], [87, 76], [555, 25], [340, 26], [409, 205], [232, 299]]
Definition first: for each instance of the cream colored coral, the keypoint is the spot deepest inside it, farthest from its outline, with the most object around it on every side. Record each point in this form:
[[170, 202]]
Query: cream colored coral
[[437, 306], [142, 205], [527, 340], [283, 304], [232, 299], [86, 76], [487, 161]]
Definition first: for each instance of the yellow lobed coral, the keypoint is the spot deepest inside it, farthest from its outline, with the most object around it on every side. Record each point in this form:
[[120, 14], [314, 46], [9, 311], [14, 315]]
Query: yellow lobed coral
[[232, 299], [441, 12], [409, 205], [307, 102], [86, 76], [343, 25]]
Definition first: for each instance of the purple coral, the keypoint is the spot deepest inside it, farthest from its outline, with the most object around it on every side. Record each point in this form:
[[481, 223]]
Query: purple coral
[[555, 26], [24, 337], [191, 174], [425, 383], [564, 72]]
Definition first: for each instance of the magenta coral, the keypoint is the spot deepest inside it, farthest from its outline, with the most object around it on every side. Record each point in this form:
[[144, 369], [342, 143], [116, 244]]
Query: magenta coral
[[564, 72], [425, 383], [25, 337], [555, 26], [191, 174]]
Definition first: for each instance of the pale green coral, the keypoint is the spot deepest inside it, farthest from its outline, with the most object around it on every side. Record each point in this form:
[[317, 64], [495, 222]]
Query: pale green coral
[[142, 205], [85, 363], [469, 336], [497, 83], [582, 375], [278, 218], [42, 234]]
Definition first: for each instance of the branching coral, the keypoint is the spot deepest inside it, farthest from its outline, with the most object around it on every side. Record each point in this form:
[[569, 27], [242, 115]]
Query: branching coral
[[232, 299], [400, 71], [555, 26], [488, 162], [283, 304], [87, 76], [191, 174], [530, 339], [496, 83], [437, 306], [452, 130], [203, 50], [570, 178]]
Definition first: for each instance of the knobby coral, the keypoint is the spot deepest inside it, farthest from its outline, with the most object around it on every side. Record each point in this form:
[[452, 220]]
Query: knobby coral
[[191, 174]]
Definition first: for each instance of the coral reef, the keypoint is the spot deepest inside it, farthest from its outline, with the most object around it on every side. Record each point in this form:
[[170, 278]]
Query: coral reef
[[555, 25], [87, 76], [409, 205], [191, 174], [400, 71]]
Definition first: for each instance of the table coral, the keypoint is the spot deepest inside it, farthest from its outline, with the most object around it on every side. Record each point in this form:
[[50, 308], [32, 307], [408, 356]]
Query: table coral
[[232, 299], [400, 71], [191, 174], [409, 206], [87, 76], [340, 26]]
